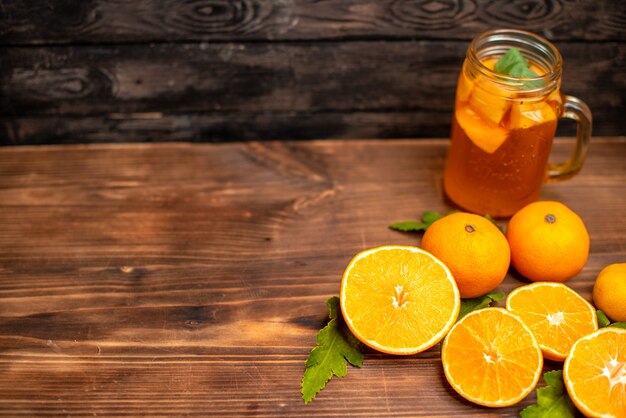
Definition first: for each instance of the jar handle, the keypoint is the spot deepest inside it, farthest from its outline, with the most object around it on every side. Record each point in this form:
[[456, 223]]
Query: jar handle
[[576, 109]]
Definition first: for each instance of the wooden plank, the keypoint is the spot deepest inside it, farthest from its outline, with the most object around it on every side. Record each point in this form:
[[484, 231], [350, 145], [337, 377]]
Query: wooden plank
[[294, 78], [173, 279], [65, 21], [229, 77], [215, 127]]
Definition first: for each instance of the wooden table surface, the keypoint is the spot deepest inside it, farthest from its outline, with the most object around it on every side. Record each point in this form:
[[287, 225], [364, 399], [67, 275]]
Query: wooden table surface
[[179, 279]]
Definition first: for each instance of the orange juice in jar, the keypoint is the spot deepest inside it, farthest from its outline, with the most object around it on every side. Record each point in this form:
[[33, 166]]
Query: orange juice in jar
[[504, 124]]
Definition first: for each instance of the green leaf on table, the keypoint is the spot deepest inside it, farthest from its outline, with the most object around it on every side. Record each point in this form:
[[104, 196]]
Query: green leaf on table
[[552, 400], [428, 218], [603, 321], [335, 346], [513, 64], [409, 226], [473, 304]]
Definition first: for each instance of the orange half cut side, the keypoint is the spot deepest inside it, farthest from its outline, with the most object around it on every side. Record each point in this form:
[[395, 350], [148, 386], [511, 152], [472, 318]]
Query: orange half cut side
[[595, 373], [491, 358], [556, 314], [398, 299]]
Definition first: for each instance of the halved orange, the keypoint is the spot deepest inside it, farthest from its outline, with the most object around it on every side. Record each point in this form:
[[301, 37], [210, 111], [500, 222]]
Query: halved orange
[[398, 299], [491, 358], [556, 314], [595, 373]]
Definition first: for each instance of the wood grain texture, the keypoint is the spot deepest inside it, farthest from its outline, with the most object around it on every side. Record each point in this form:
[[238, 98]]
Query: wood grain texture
[[174, 279], [96, 21], [215, 127], [229, 77], [263, 91]]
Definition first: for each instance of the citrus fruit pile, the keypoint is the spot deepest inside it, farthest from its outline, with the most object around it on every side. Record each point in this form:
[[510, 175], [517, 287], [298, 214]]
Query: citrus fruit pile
[[405, 299]]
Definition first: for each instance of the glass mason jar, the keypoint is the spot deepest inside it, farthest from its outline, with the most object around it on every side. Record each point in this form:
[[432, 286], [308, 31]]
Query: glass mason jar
[[503, 126]]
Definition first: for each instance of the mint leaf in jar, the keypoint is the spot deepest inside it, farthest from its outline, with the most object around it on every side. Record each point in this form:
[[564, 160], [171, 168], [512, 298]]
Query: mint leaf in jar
[[513, 64]]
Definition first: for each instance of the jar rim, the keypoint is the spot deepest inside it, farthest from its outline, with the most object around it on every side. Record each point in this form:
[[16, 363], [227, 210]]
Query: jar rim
[[539, 48]]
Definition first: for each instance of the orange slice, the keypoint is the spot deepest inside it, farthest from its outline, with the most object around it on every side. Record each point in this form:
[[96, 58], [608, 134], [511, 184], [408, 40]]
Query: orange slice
[[464, 86], [595, 373], [526, 115], [484, 134], [489, 62], [491, 358], [465, 83], [556, 314], [489, 100], [398, 299]]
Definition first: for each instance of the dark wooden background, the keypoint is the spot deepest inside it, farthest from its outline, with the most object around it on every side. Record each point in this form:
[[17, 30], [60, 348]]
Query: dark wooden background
[[221, 70]]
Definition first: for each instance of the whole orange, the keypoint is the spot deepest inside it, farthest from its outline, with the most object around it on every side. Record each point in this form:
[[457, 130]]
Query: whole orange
[[549, 242], [609, 291], [473, 248]]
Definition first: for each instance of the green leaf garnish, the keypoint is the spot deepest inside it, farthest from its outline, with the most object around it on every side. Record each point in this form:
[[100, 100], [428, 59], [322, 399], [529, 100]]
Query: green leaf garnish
[[335, 345], [552, 400], [428, 218], [513, 64], [512, 58], [473, 304], [409, 226], [603, 321]]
